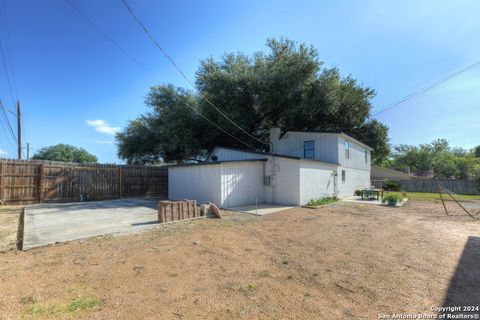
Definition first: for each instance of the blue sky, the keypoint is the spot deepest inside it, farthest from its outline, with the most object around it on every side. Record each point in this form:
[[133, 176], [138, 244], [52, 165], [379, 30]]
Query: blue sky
[[75, 87]]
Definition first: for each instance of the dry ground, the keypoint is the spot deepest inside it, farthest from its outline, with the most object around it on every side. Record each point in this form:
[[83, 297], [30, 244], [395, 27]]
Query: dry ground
[[9, 218], [346, 261]]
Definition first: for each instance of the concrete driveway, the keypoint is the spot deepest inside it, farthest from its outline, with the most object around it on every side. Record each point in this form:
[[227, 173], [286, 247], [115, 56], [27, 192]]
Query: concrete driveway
[[59, 222]]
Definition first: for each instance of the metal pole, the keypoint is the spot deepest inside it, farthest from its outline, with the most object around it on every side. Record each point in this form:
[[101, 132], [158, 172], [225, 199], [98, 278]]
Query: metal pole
[[28, 151], [443, 202]]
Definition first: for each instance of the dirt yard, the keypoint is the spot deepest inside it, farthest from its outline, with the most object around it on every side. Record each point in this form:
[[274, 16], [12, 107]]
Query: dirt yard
[[346, 261], [9, 219]]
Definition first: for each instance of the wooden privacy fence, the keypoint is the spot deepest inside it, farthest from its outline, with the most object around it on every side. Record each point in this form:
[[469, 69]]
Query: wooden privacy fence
[[27, 182], [431, 185]]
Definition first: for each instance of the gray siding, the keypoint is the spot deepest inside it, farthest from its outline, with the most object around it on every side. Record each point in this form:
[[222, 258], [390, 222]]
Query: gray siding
[[291, 144], [357, 155], [224, 154]]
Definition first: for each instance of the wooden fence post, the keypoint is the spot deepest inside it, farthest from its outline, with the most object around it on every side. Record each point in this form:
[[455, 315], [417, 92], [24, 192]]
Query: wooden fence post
[[40, 183], [120, 181]]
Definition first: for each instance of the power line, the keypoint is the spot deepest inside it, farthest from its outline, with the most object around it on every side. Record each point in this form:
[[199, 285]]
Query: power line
[[428, 87], [150, 36], [8, 121], [79, 11], [104, 34], [7, 134], [6, 54]]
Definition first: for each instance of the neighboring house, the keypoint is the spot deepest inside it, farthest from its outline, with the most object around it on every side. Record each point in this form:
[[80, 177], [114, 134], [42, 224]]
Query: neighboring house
[[380, 173], [301, 167]]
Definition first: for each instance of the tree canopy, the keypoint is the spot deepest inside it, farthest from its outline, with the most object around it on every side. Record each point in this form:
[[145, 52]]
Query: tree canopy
[[65, 153], [286, 86], [437, 158]]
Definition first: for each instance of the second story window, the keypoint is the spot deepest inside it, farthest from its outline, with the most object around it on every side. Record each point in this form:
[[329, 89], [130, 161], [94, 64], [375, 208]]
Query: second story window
[[347, 150], [366, 156], [309, 149]]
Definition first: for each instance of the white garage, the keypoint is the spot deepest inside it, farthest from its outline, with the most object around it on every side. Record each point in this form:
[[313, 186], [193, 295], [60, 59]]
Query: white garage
[[225, 183]]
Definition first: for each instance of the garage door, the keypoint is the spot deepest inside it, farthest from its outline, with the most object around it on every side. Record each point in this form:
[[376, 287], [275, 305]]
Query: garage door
[[242, 185]]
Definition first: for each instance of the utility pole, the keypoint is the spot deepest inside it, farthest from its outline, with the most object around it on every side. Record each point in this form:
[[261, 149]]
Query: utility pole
[[28, 151], [19, 132]]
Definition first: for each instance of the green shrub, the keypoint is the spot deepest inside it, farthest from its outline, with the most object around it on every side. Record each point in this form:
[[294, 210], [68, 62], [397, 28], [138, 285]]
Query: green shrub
[[357, 193], [392, 199], [322, 201], [390, 185]]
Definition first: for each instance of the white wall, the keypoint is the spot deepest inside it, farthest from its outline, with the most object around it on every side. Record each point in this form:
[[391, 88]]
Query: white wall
[[285, 188], [201, 183], [355, 180], [317, 180], [242, 183], [225, 184]]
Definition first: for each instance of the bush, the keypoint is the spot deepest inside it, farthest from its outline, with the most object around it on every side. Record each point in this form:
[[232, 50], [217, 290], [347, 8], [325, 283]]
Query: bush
[[323, 201], [357, 193], [390, 185], [392, 199]]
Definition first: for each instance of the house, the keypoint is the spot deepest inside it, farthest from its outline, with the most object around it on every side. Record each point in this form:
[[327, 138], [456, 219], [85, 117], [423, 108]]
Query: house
[[381, 173], [300, 166]]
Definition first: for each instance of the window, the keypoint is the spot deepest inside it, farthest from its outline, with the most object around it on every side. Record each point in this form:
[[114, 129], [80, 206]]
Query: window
[[366, 156], [309, 149], [344, 176], [347, 150]]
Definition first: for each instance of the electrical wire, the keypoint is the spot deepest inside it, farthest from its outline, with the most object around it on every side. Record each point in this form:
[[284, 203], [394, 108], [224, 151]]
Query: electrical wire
[[6, 55], [427, 87], [116, 44], [7, 134], [150, 36], [8, 121]]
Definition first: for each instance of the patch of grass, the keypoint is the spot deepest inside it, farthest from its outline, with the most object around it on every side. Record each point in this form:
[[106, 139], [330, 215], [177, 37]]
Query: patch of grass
[[82, 304], [285, 262], [315, 274], [80, 300], [172, 274], [322, 201], [427, 196]]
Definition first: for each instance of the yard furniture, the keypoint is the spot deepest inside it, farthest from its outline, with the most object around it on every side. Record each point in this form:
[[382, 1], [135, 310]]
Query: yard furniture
[[372, 194]]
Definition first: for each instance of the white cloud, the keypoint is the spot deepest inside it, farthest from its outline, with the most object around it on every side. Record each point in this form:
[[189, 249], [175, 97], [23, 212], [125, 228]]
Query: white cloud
[[3, 152], [103, 126], [103, 141]]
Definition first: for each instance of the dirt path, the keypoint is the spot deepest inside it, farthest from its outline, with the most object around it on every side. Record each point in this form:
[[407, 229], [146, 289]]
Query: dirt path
[[346, 261]]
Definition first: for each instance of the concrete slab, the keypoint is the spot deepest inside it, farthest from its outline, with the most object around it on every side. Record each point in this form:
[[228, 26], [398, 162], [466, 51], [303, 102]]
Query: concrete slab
[[261, 209], [59, 222]]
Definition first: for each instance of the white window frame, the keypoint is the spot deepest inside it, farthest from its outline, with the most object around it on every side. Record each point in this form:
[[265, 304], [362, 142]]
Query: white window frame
[[344, 176], [347, 149]]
